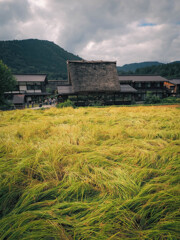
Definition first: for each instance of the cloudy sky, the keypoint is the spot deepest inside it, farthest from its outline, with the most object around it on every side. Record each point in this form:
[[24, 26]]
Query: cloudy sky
[[122, 30]]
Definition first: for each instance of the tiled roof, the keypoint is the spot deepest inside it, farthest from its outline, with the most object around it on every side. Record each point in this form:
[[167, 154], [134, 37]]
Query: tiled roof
[[69, 90], [30, 78], [18, 98], [142, 78], [128, 89], [175, 81]]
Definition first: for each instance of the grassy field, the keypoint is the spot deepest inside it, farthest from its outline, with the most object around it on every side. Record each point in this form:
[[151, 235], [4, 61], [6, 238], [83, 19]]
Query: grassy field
[[90, 173]]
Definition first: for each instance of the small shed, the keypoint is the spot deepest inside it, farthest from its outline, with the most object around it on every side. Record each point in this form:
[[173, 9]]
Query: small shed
[[19, 101]]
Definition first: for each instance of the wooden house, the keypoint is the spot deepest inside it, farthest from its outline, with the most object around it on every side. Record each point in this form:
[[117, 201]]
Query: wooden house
[[94, 81], [173, 87], [31, 86], [145, 83]]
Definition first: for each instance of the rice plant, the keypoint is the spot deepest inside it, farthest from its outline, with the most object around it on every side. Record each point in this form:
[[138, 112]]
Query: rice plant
[[90, 173]]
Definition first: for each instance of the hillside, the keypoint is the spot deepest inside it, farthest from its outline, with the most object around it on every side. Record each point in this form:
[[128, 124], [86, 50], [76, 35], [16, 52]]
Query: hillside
[[170, 70], [35, 56], [133, 66], [90, 173]]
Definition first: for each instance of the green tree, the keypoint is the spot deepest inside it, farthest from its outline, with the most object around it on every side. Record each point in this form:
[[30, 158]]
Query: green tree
[[7, 81], [151, 98]]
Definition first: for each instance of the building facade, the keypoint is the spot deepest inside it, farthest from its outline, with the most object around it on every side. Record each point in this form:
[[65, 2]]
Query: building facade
[[144, 84], [31, 87], [173, 87]]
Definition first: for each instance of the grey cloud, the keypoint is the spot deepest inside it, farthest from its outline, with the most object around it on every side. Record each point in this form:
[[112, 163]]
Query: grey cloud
[[98, 29], [14, 10], [12, 15], [99, 20]]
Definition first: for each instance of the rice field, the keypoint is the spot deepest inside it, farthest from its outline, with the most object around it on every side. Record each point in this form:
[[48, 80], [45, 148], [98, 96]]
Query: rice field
[[90, 173]]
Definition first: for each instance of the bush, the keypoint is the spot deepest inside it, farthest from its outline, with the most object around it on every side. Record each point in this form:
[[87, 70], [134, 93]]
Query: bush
[[150, 98], [171, 100], [98, 103], [67, 103]]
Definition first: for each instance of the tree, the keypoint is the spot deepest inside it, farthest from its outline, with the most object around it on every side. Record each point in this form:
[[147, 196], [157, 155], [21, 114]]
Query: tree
[[151, 99], [7, 81]]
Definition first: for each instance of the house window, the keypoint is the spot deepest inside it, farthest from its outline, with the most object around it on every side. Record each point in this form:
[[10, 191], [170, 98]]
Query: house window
[[22, 83], [22, 88], [37, 87], [137, 84], [16, 88], [127, 97], [148, 84], [33, 86], [157, 84], [30, 87]]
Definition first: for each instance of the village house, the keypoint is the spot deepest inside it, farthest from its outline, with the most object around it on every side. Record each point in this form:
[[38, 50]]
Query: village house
[[29, 88], [92, 82], [145, 83], [173, 87]]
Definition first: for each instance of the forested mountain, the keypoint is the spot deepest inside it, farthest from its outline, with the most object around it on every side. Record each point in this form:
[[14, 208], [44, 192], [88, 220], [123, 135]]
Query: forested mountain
[[36, 56], [133, 66], [170, 70]]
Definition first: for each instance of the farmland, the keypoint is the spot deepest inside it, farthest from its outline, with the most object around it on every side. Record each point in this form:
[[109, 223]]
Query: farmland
[[90, 173]]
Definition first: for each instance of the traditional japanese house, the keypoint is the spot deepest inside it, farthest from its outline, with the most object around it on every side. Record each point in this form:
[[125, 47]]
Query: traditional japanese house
[[95, 82], [143, 84], [32, 87], [173, 87]]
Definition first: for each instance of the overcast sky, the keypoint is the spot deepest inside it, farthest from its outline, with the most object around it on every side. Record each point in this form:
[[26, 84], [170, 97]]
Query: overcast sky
[[122, 30]]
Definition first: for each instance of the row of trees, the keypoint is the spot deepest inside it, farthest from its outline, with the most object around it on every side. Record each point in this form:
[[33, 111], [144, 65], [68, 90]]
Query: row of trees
[[169, 71]]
